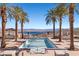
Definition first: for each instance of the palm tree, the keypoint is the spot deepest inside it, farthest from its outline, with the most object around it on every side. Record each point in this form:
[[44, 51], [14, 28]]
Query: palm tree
[[24, 19], [15, 12], [61, 11], [3, 15], [71, 21], [50, 17]]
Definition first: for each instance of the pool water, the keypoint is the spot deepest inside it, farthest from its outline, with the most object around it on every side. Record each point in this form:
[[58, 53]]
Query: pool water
[[38, 43]]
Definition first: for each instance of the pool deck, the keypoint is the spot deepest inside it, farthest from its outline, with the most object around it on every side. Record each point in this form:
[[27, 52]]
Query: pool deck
[[65, 44], [51, 52]]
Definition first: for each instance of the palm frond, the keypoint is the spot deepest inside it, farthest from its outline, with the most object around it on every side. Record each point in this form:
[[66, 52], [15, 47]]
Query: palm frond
[[50, 16], [48, 20], [10, 16]]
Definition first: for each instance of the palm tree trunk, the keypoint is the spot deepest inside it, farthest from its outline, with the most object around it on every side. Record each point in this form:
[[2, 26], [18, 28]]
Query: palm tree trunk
[[53, 29], [71, 37], [71, 20], [3, 34], [16, 30], [22, 29], [3, 14], [60, 30]]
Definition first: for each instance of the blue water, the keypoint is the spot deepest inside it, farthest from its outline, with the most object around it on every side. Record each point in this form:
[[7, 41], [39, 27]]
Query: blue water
[[38, 32], [38, 43], [34, 33]]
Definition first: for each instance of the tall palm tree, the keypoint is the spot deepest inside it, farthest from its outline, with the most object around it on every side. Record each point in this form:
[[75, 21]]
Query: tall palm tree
[[50, 17], [3, 15], [15, 12], [71, 21], [61, 11], [23, 19]]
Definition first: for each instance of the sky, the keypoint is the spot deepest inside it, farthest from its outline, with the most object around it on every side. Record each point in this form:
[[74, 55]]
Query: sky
[[36, 14]]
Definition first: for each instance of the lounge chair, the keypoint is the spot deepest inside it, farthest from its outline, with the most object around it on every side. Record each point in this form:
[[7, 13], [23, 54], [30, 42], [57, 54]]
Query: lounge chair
[[61, 53], [5, 54], [32, 50], [76, 45], [38, 50]]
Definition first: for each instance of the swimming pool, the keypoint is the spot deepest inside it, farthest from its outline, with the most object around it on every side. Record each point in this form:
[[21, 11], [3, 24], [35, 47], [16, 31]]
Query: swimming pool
[[38, 43]]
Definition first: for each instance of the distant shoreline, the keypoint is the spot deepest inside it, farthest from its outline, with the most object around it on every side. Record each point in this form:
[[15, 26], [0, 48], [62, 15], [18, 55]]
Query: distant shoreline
[[41, 30]]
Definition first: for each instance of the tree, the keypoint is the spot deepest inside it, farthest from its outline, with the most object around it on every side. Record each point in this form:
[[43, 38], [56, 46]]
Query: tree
[[15, 11], [3, 15], [71, 21], [50, 17], [61, 11], [23, 19]]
